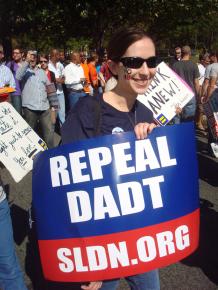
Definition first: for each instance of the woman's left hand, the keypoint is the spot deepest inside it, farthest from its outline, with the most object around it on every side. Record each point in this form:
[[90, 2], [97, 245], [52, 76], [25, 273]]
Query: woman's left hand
[[178, 110], [92, 286], [143, 129]]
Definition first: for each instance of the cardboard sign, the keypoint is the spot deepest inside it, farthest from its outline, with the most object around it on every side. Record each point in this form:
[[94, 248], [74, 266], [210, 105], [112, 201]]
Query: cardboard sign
[[115, 206], [18, 142], [166, 92]]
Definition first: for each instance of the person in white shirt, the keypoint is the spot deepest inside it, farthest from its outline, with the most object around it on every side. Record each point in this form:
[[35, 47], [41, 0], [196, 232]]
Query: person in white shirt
[[213, 59], [57, 68], [204, 61], [74, 79]]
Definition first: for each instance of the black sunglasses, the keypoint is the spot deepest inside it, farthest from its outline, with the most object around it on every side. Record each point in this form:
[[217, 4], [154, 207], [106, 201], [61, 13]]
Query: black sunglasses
[[137, 62]]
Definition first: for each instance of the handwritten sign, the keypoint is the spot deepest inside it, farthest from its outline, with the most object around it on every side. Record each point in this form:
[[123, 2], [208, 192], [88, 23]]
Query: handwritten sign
[[115, 206], [166, 92], [18, 143]]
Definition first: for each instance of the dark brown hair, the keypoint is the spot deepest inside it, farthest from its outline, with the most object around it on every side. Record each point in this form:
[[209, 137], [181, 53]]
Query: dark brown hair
[[93, 57], [44, 55], [1, 47], [121, 40], [53, 51], [203, 56], [213, 53], [18, 48]]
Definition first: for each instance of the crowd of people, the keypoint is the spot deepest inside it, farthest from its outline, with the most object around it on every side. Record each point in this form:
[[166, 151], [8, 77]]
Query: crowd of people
[[84, 73], [202, 78], [48, 88]]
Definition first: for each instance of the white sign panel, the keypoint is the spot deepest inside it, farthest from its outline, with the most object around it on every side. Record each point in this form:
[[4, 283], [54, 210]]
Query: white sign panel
[[18, 142], [166, 92]]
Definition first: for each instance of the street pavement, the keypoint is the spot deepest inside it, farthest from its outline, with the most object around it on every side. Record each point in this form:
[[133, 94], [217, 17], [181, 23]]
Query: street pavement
[[198, 272]]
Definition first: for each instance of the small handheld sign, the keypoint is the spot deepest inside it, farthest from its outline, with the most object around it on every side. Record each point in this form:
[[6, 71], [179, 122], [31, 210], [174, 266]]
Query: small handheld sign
[[115, 206], [165, 94]]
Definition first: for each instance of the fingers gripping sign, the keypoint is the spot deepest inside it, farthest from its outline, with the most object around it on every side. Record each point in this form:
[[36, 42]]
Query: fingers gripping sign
[[143, 129], [178, 109]]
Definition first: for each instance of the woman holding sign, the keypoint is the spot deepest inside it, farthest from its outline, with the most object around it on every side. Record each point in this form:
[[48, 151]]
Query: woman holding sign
[[132, 61]]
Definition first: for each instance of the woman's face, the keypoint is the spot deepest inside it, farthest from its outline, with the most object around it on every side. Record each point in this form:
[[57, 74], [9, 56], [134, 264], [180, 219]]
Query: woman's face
[[43, 62], [136, 80]]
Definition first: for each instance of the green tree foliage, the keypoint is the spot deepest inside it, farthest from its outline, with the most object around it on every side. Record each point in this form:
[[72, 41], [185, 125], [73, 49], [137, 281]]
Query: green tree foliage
[[73, 24], [182, 22]]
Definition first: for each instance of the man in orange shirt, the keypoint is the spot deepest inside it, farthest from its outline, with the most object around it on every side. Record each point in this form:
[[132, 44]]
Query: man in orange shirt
[[86, 72], [92, 60]]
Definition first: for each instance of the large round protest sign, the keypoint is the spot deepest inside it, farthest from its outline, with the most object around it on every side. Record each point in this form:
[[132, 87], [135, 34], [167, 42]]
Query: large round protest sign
[[115, 206]]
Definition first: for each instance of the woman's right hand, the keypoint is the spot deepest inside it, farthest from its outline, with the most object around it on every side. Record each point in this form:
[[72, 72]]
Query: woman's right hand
[[143, 129]]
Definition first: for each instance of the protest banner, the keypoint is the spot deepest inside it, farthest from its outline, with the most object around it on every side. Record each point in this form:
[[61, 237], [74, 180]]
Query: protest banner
[[166, 92], [115, 206], [18, 143]]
